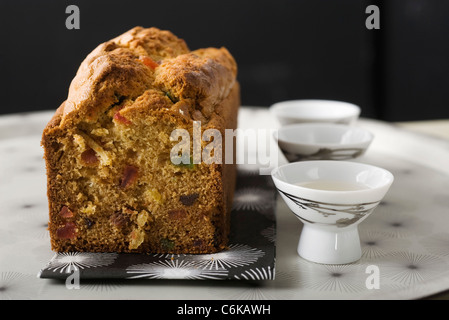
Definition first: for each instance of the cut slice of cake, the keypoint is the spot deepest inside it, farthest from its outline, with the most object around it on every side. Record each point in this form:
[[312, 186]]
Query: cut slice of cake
[[112, 183]]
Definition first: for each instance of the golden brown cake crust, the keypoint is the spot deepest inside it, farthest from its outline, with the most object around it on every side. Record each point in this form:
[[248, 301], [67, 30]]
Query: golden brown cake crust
[[115, 69], [110, 186]]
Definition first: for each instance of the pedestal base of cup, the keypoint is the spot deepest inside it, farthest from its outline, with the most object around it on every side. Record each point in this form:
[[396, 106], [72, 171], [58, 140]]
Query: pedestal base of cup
[[328, 245]]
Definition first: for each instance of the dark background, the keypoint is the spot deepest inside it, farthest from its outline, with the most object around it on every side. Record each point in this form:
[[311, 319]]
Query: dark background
[[286, 49]]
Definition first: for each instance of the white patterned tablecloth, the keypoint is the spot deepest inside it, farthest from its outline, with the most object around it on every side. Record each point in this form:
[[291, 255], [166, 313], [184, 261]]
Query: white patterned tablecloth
[[406, 238]]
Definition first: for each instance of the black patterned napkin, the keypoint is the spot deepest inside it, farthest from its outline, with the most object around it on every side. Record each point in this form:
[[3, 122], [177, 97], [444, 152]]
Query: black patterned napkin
[[251, 253]]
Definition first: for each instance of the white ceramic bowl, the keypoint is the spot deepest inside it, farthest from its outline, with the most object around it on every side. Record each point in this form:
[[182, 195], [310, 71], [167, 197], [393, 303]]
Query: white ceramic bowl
[[330, 233], [322, 141], [329, 111]]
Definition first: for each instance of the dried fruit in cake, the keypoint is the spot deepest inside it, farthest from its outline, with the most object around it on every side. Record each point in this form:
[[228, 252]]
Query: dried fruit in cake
[[112, 186]]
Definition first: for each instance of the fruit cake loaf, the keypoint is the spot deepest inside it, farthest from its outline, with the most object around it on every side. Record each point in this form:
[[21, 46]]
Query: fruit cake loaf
[[112, 184]]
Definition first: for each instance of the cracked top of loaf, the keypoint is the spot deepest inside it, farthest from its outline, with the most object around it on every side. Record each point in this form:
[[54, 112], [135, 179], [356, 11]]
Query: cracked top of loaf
[[148, 69]]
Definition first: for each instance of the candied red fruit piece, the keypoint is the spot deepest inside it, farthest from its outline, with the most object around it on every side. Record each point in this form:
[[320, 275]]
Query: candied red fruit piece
[[130, 174], [119, 118], [150, 63], [68, 231], [66, 213], [89, 157]]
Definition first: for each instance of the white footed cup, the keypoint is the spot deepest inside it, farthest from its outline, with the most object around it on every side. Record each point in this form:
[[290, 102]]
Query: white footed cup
[[331, 198]]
